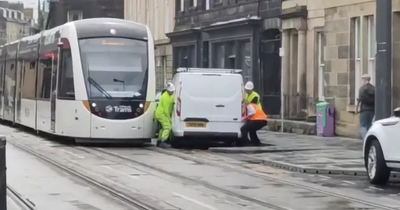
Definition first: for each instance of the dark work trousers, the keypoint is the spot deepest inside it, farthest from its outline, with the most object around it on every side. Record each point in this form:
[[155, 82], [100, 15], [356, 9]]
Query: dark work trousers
[[250, 128], [366, 118]]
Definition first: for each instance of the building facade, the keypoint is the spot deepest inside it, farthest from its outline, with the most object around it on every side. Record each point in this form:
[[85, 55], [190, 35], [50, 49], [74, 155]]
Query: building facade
[[14, 25], [63, 11], [328, 46], [240, 34], [159, 16]]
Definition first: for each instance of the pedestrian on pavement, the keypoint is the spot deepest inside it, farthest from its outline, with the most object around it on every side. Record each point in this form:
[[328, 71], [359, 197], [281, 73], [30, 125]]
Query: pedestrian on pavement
[[251, 94], [164, 115], [366, 104], [254, 121]]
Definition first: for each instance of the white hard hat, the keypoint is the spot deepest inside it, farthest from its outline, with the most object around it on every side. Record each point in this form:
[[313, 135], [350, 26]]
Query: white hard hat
[[249, 86], [170, 87]]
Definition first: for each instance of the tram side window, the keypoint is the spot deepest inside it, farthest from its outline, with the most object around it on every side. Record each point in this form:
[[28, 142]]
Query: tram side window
[[2, 71], [46, 84], [66, 89]]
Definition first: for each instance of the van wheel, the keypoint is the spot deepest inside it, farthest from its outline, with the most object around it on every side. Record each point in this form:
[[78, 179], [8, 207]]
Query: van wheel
[[378, 172], [176, 142], [229, 143]]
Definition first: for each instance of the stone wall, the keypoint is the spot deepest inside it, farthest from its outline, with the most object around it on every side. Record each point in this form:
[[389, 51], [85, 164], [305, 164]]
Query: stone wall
[[335, 20], [163, 56]]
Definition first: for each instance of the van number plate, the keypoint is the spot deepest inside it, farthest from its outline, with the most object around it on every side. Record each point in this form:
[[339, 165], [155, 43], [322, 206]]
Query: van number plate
[[196, 125]]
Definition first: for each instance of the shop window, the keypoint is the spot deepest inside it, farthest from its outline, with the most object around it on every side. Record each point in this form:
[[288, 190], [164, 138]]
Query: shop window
[[245, 60], [230, 53], [206, 54], [219, 56], [186, 56], [74, 15]]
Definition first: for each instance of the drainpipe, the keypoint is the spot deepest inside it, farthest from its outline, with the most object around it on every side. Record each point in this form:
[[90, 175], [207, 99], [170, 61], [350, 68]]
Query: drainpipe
[[258, 8]]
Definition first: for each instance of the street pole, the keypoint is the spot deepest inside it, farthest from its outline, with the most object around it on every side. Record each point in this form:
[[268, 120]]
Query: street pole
[[383, 61], [3, 173]]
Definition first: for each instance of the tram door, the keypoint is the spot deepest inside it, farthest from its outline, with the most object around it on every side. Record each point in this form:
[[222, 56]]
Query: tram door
[[53, 93]]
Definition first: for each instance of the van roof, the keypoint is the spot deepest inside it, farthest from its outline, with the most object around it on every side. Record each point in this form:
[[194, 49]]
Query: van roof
[[208, 73], [211, 70]]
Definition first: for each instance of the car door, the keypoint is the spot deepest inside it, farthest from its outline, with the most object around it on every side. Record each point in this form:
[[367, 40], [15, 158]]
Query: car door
[[391, 141]]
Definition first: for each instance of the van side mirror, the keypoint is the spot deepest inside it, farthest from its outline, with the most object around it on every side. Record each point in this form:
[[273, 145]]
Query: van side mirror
[[396, 112]]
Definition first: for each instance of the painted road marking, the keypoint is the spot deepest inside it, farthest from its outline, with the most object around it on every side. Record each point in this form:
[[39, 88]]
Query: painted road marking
[[73, 154], [120, 172], [375, 188], [325, 177], [348, 182], [194, 201]]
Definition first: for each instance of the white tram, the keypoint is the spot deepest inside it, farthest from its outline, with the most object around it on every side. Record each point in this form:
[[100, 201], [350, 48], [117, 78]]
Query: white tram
[[92, 79]]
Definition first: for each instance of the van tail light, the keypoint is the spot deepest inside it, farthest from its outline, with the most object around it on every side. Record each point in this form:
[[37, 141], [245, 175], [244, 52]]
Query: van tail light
[[243, 109], [178, 107]]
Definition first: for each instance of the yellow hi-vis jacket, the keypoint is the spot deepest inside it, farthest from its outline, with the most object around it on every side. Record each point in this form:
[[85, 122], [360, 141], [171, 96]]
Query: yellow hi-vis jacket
[[165, 105], [249, 98]]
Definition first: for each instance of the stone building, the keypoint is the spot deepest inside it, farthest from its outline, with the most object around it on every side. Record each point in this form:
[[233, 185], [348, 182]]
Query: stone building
[[241, 34], [159, 16], [63, 11], [328, 46]]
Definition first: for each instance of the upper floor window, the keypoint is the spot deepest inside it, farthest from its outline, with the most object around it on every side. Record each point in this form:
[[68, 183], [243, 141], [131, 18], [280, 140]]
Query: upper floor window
[[74, 15], [193, 3], [180, 5]]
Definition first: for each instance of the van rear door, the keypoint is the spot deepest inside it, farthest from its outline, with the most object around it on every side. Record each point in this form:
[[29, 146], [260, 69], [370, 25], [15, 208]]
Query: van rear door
[[227, 97], [195, 101]]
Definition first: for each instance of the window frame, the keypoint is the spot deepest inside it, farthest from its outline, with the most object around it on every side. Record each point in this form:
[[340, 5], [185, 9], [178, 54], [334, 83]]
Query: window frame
[[156, 20], [357, 57], [320, 65], [70, 14], [371, 31], [166, 18], [182, 5]]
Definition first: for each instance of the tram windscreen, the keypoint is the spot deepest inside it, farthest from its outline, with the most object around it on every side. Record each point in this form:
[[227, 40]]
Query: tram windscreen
[[115, 67]]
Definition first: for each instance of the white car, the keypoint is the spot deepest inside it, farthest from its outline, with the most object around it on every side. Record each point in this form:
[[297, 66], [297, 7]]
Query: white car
[[382, 148]]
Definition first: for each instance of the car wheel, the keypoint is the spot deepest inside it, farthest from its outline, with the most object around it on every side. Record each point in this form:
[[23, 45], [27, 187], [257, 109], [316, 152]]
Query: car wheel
[[378, 172]]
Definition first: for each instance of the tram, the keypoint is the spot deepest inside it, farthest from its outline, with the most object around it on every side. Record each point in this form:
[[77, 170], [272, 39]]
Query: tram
[[91, 80]]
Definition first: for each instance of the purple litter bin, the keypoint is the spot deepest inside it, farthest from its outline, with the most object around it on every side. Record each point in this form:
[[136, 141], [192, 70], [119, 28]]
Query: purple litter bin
[[325, 119]]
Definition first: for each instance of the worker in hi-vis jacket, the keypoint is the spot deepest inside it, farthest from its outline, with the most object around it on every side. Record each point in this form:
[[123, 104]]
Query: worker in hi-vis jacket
[[164, 115]]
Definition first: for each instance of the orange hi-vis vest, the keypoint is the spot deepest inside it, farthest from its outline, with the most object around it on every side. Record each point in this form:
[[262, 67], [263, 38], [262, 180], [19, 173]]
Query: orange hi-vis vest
[[259, 115]]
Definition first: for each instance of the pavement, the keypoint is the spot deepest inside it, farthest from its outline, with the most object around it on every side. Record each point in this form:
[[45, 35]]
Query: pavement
[[303, 153]]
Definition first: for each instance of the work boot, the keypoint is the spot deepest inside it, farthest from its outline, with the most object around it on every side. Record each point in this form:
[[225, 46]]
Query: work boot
[[255, 143], [163, 144]]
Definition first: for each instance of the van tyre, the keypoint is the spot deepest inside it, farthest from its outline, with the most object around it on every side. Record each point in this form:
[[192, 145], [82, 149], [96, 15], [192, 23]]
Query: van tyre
[[377, 171], [175, 142]]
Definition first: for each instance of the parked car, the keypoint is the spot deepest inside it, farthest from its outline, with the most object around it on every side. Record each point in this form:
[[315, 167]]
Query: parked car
[[382, 148]]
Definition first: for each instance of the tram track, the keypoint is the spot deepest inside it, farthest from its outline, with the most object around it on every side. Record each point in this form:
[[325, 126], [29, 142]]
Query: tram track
[[22, 202], [102, 152], [135, 203], [200, 157], [203, 159], [206, 161]]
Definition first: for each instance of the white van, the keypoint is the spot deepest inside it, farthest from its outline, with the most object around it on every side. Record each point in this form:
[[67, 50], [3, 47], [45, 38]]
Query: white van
[[208, 103]]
